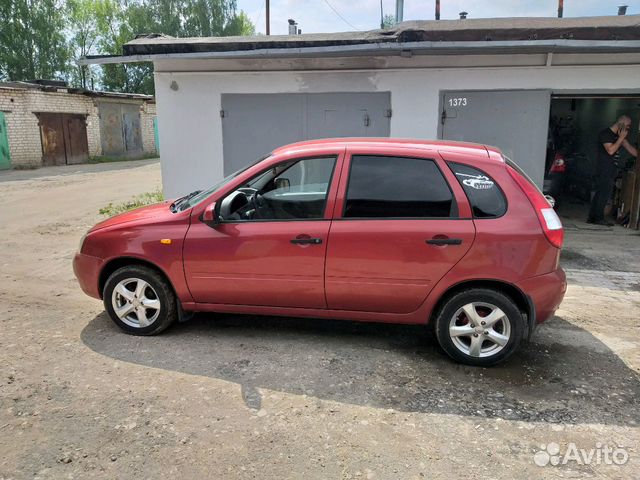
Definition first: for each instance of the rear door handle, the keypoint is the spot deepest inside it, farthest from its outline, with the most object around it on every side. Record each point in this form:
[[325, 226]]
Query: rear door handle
[[306, 241], [444, 241]]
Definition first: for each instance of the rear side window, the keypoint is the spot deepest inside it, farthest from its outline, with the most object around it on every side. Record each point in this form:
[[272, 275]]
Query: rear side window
[[397, 187], [485, 197]]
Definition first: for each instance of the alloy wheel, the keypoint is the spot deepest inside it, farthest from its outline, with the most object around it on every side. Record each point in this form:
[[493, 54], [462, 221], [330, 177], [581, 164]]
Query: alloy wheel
[[135, 302], [480, 329]]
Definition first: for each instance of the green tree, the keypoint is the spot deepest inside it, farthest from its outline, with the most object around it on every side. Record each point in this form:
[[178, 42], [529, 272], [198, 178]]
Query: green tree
[[240, 24], [122, 22], [195, 18], [37, 41], [32, 43], [389, 21], [83, 37], [207, 18], [118, 23]]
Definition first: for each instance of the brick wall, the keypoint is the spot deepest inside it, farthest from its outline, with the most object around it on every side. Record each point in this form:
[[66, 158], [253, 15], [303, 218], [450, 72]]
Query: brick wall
[[21, 105], [22, 127], [147, 114]]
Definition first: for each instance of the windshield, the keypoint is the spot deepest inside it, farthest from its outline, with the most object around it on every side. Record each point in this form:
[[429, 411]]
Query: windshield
[[196, 199]]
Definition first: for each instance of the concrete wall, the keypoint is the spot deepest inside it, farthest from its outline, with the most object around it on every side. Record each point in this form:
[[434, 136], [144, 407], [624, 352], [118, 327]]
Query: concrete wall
[[21, 106], [191, 129]]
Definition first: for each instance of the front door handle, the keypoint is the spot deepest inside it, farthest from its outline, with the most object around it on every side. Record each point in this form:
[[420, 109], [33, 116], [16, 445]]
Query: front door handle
[[444, 241], [306, 241]]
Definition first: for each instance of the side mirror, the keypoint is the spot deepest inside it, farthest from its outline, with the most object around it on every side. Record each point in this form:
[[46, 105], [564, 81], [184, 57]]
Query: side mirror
[[282, 183], [209, 216]]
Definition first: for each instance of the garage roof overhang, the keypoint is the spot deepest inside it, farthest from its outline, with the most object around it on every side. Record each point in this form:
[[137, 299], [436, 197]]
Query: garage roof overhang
[[588, 35], [387, 49]]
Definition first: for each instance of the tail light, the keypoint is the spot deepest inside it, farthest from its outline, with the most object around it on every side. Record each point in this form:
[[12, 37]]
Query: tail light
[[549, 220], [559, 164]]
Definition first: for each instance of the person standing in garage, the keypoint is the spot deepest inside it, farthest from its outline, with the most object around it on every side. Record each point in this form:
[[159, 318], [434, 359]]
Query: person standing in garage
[[609, 142]]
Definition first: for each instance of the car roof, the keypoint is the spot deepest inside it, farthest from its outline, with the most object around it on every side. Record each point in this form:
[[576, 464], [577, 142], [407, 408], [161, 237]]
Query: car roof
[[412, 143]]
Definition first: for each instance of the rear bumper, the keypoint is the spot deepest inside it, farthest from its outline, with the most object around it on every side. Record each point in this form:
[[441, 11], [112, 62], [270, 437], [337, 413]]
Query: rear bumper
[[87, 270], [546, 293]]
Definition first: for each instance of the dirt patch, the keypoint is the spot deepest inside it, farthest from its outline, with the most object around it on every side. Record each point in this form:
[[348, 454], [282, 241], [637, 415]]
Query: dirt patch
[[251, 397]]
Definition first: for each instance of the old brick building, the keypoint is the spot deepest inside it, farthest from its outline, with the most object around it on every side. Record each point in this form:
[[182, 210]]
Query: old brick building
[[49, 123]]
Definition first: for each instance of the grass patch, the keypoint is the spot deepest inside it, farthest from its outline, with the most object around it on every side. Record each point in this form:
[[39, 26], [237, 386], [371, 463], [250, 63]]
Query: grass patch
[[138, 201], [108, 159]]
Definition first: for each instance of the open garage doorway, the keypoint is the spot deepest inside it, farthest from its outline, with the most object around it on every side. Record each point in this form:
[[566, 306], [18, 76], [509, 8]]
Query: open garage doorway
[[575, 122]]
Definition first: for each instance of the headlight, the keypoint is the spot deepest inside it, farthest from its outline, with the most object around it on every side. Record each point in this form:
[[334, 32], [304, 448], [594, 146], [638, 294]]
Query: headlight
[[82, 242]]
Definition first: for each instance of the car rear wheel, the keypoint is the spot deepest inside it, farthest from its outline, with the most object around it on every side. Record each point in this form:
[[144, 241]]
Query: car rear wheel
[[139, 300], [480, 327]]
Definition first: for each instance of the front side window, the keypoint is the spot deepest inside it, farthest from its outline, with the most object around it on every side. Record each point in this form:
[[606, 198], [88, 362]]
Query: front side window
[[485, 197], [295, 190], [397, 187]]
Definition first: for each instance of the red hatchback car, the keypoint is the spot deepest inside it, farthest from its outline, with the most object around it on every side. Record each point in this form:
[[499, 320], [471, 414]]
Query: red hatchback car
[[380, 230]]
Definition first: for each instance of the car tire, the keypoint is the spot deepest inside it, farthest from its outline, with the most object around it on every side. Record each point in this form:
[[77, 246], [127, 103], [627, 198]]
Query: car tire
[[467, 338], [140, 300]]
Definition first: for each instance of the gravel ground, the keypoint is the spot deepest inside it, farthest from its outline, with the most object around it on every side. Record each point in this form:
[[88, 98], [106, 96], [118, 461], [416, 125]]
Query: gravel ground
[[253, 397]]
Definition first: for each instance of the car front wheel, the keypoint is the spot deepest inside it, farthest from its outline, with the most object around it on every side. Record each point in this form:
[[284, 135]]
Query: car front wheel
[[479, 327], [139, 300]]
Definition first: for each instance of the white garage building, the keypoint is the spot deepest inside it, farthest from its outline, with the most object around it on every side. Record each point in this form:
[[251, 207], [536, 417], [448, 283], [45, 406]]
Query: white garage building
[[223, 102]]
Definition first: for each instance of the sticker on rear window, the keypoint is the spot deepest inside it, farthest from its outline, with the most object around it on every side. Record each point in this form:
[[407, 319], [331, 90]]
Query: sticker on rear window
[[479, 182]]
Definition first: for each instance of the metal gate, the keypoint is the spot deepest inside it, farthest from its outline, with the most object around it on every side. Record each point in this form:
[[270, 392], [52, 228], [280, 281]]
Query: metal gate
[[515, 121], [5, 156], [120, 130], [64, 138], [76, 145], [255, 124]]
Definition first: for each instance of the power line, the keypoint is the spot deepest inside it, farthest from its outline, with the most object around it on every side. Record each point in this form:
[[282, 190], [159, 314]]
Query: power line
[[338, 14]]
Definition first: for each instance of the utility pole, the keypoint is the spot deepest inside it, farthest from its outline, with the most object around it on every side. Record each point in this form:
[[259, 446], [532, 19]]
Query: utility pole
[[399, 10], [381, 16], [560, 8], [268, 17], [437, 9]]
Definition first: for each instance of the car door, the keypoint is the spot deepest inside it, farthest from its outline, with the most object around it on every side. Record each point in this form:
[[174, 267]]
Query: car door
[[400, 224], [275, 258]]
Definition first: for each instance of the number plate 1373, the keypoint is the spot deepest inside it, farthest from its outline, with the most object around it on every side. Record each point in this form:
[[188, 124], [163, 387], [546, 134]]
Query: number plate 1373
[[458, 102]]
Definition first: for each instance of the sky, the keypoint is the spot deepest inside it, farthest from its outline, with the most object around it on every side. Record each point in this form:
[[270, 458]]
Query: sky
[[317, 16]]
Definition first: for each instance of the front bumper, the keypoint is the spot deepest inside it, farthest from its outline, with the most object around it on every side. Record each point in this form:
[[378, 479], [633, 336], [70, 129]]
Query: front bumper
[[87, 270], [546, 293]]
